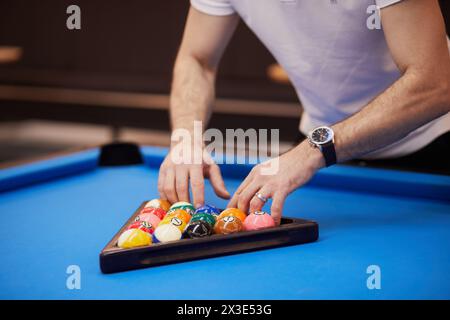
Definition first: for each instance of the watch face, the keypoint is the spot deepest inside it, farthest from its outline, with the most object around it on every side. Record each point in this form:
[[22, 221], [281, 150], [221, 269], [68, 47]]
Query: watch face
[[322, 135]]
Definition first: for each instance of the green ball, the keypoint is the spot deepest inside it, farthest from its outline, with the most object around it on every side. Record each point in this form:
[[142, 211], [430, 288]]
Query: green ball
[[186, 206], [208, 218]]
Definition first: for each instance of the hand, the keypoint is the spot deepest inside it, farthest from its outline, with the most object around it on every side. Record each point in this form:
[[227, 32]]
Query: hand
[[295, 168], [173, 180]]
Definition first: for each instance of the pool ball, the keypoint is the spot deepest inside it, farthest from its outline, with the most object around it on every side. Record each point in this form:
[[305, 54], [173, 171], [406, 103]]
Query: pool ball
[[198, 229], [227, 225], [132, 238], [235, 212], [183, 205], [258, 220], [179, 213], [148, 217], [177, 222], [160, 213], [209, 209], [158, 203], [208, 218], [142, 225], [166, 233]]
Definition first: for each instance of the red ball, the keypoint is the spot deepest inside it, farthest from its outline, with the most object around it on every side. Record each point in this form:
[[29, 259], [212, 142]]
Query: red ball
[[149, 217], [142, 225], [258, 220], [160, 213]]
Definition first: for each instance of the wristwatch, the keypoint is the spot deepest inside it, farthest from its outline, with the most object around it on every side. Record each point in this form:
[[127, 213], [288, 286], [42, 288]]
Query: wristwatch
[[323, 139]]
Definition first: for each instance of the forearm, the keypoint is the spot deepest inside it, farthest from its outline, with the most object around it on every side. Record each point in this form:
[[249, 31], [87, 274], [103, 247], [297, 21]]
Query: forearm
[[415, 34], [409, 103], [192, 93]]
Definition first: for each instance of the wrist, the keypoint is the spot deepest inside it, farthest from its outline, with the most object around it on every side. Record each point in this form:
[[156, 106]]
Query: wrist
[[185, 149], [313, 157], [322, 139], [190, 137]]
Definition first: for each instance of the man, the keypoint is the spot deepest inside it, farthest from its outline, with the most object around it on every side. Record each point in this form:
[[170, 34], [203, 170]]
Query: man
[[382, 93]]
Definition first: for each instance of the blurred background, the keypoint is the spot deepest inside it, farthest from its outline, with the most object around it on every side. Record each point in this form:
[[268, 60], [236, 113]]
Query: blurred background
[[64, 89]]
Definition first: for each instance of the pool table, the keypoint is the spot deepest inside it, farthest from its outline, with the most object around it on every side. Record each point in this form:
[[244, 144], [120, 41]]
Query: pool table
[[61, 211]]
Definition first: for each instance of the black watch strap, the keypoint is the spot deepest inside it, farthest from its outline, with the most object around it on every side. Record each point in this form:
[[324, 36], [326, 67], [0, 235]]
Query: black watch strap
[[329, 153]]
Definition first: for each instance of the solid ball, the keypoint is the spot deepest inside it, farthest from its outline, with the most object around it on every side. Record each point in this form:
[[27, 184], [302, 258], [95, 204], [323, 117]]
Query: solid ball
[[179, 213], [177, 222], [143, 225], [227, 225], [148, 217], [183, 205], [198, 229], [158, 203], [160, 213], [166, 233], [209, 209], [259, 220], [208, 218], [234, 212], [132, 238]]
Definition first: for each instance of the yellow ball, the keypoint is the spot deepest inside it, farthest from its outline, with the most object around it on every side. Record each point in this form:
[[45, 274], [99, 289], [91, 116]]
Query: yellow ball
[[177, 222], [134, 238], [179, 213]]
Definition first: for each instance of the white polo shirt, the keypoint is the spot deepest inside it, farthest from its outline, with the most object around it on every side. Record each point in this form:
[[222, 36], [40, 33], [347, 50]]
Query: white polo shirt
[[336, 63]]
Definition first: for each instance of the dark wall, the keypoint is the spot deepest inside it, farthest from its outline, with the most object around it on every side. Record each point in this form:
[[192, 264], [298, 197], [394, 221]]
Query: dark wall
[[124, 45], [445, 6]]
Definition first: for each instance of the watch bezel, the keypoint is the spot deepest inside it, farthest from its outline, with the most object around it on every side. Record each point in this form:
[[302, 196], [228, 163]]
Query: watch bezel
[[319, 143]]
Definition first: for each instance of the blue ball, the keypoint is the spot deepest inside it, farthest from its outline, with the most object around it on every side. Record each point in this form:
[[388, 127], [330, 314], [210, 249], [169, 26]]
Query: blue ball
[[154, 239], [209, 209]]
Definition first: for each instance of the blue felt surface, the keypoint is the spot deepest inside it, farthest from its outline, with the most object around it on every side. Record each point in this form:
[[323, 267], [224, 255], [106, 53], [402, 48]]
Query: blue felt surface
[[49, 225], [41, 171]]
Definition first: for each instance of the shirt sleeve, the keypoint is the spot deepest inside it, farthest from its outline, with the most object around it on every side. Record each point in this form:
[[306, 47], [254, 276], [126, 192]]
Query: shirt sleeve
[[385, 3], [214, 7]]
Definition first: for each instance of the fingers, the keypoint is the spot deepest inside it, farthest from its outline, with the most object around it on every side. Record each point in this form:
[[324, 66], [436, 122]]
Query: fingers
[[246, 196], [197, 185], [245, 183], [182, 183], [257, 204], [234, 200], [161, 180], [169, 186], [233, 203], [217, 181], [276, 209]]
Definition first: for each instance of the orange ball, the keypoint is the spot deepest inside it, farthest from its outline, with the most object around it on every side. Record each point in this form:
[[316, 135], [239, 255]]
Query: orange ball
[[227, 225], [234, 212], [179, 213], [158, 203]]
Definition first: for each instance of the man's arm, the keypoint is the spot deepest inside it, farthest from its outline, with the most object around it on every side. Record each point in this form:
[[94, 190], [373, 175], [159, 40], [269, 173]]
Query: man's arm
[[415, 33], [204, 41]]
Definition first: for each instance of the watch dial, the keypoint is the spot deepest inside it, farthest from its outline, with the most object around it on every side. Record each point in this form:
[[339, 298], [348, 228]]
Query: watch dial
[[320, 135]]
